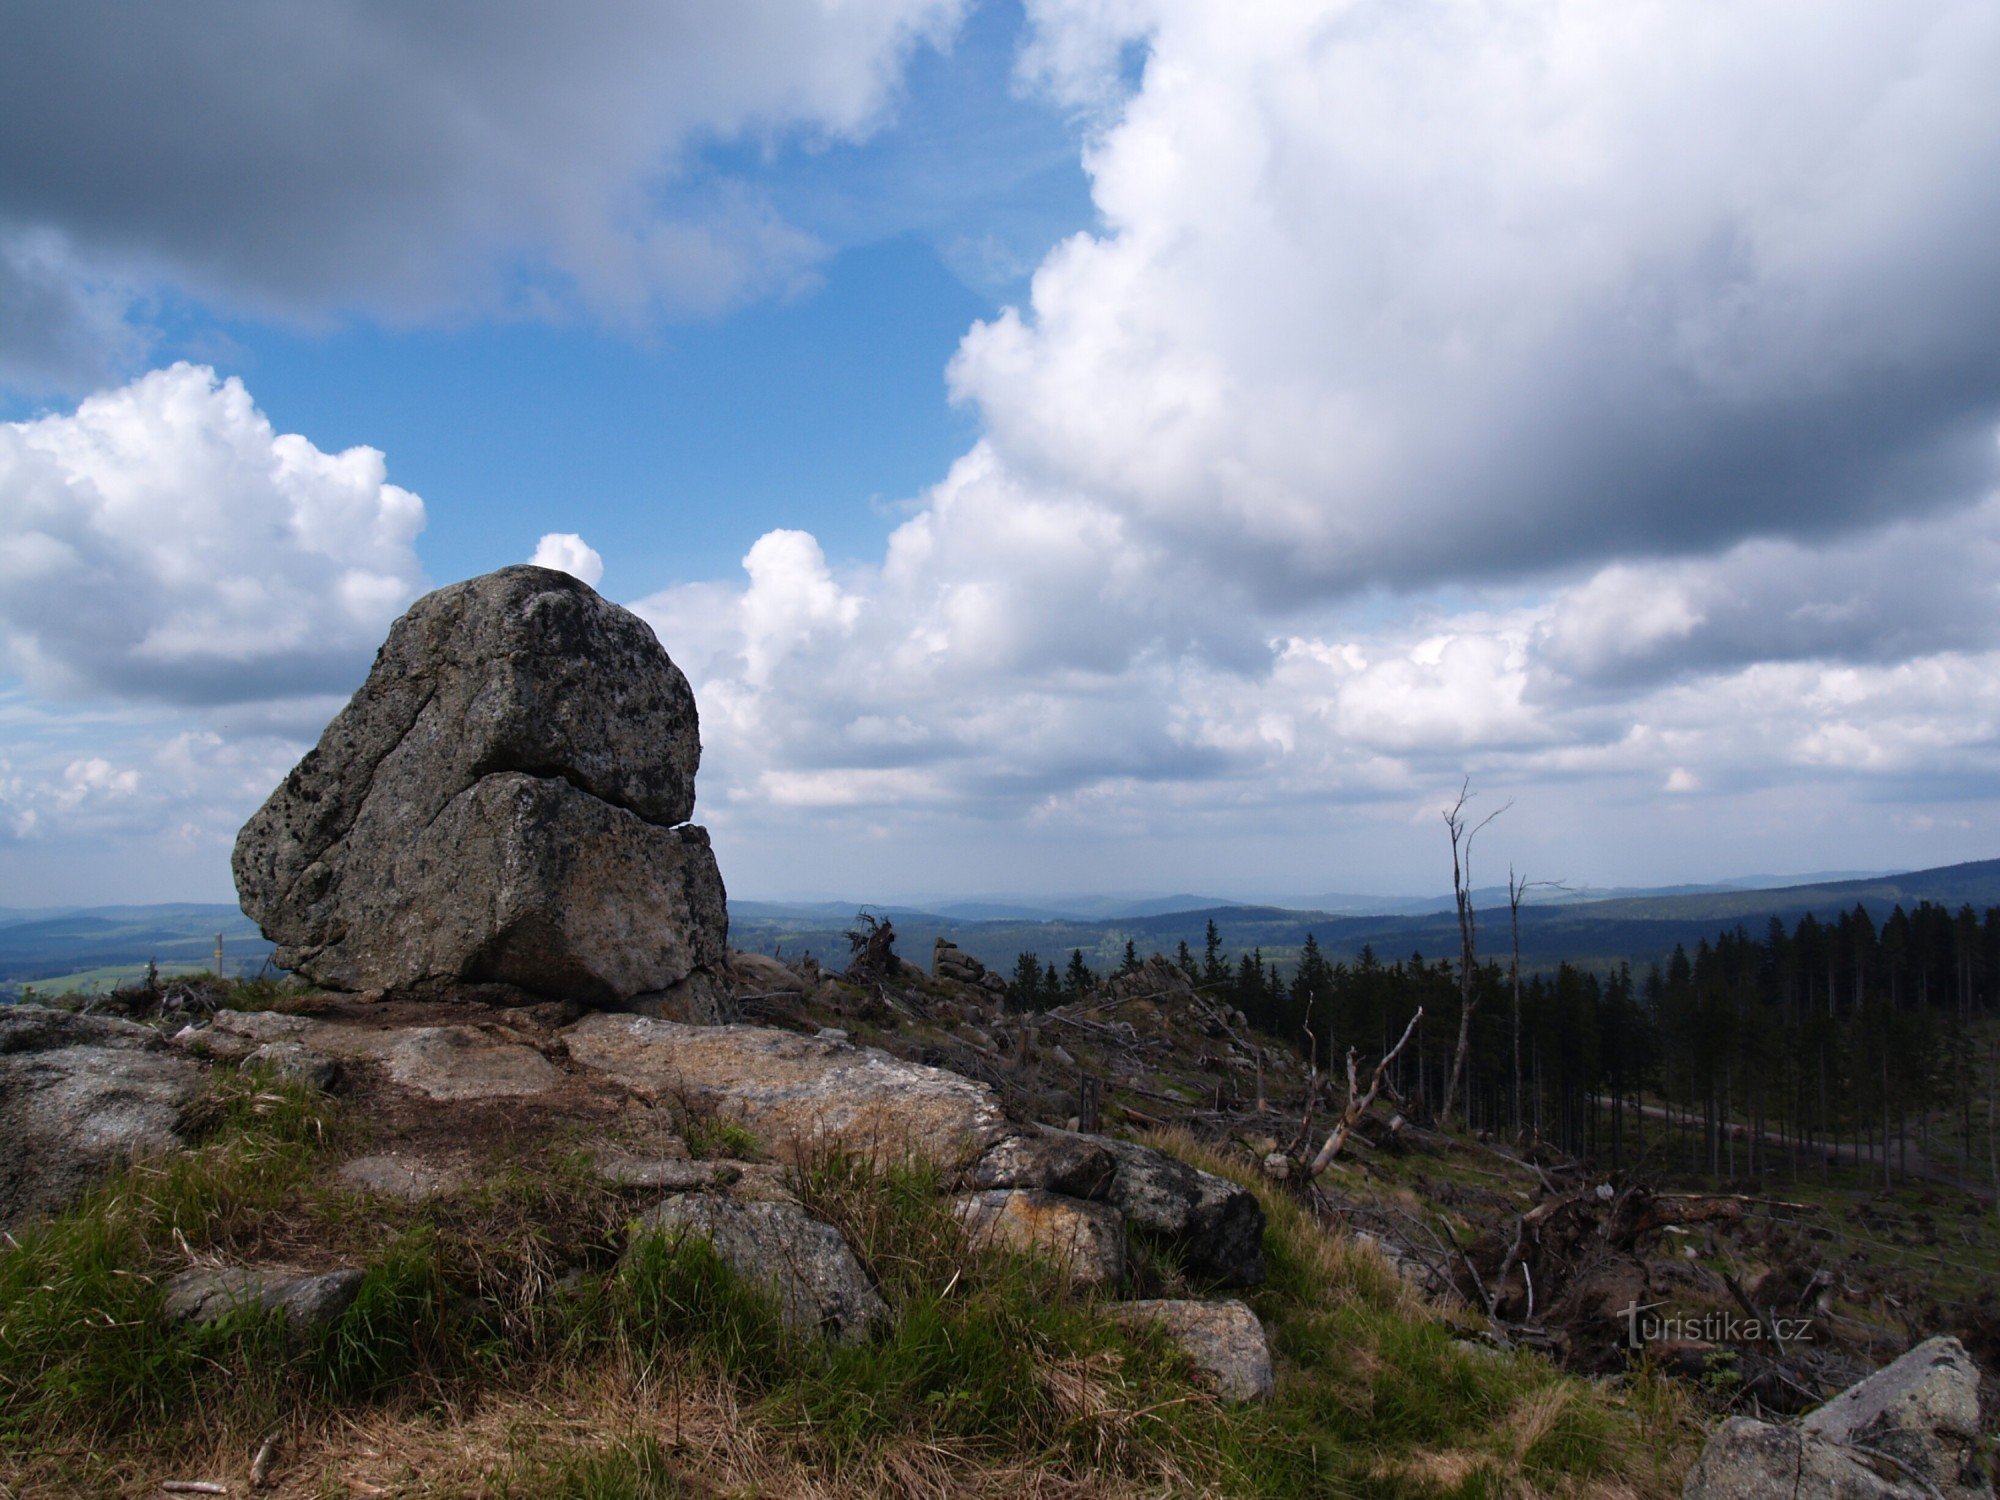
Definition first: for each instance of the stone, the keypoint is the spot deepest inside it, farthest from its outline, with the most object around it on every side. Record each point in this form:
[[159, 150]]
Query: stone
[[1223, 1339], [819, 1284], [668, 1174], [504, 801], [789, 1089], [462, 1062], [402, 1177], [1745, 1458], [1059, 1161], [80, 1095], [1909, 1430], [305, 1300], [233, 1035], [1086, 1239], [1921, 1410], [756, 974], [294, 1062], [1215, 1227]]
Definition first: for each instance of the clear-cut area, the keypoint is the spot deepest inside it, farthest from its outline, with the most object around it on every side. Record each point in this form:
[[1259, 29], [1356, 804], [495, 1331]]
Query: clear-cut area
[[504, 801]]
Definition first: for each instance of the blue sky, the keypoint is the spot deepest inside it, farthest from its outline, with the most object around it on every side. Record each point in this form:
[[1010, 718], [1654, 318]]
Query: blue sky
[[1070, 446]]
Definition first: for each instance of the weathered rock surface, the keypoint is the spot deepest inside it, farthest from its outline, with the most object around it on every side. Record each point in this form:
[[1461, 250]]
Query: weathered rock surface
[[820, 1286], [1223, 1339], [1059, 1161], [756, 973], [306, 1299], [294, 1062], [462, 1062], [503, 801], [1922, 1410], [789, 1089], [404, 1177], [1216, 1227], [80, 1095], [1911, 1429], [1086, 1239]]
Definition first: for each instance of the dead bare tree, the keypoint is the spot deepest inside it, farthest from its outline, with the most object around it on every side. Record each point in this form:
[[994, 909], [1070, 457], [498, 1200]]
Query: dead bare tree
[[1517, 888], [1358, 1102], [1462, 834]]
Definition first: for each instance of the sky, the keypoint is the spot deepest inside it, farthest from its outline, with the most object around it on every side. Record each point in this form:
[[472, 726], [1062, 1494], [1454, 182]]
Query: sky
[[1070, 446]]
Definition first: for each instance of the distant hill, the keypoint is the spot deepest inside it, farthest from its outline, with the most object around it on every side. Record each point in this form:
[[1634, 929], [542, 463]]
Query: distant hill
[[101, 945]]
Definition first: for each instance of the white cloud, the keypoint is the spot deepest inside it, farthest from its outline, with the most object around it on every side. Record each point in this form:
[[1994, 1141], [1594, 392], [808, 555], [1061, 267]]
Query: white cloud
[[164, 542], [1409, 293], [375, 156], [569, 553]]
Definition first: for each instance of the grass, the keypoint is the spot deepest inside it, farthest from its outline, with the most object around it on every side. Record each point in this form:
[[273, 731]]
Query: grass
[[513, 1339]]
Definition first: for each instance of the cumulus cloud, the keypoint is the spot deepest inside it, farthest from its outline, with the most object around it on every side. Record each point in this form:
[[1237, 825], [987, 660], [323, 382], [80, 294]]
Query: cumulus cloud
[[373, 155], [163, 542], [1408, 293], [569, 553]]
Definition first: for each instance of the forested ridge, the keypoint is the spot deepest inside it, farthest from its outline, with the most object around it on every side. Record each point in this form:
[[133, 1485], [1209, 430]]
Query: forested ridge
[[1826, 1041]]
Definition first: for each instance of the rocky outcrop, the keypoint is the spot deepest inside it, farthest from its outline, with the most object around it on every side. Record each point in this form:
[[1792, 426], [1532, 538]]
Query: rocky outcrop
[[1222, 1340], [505, 801], [1909, 1430], [80, 1095], [949, 961], [819, 1285]]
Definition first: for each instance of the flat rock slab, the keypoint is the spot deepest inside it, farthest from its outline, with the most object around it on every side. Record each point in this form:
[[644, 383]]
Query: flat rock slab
[[405, 1177], [789, 1089], [309, 1299], [1086, 1239], [80, 1095], [462, 1062], [821, 1287], [1223, 1339]]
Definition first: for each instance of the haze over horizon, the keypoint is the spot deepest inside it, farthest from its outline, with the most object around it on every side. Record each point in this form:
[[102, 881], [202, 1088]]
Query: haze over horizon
[[1151, 446]]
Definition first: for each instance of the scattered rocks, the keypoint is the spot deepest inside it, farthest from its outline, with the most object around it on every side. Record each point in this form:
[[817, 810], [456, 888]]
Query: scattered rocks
[[1909, 1430], [789, 1089], [1223, 1339], [1086, 1239], [80, 1095], [820, 1285], [505, 800], [1216, 1227], [305, 1299]]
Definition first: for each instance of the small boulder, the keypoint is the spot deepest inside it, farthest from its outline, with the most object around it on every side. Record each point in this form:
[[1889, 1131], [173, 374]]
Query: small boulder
[[1223, 1339], [294, 1062], [1086, 1239], [305, 1299], [1214, 1226], [819, 1284], [1059, 1161], [1746, 1458]]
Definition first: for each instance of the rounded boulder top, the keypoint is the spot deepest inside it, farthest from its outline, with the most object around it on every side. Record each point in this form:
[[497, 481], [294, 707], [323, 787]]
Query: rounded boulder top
[[524, 682]]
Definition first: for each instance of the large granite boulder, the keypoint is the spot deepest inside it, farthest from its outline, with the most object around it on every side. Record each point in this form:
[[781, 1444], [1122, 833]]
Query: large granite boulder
[[505, 800]]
